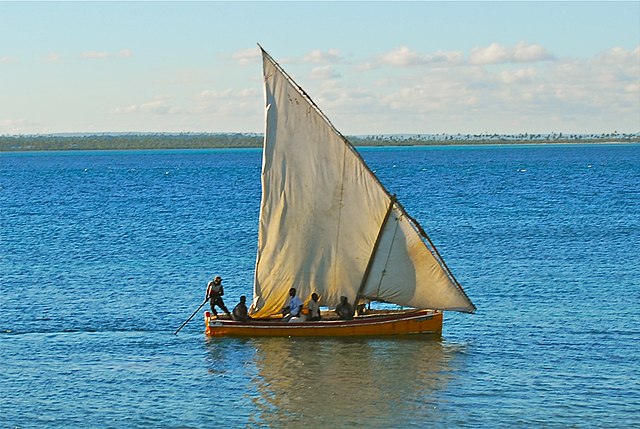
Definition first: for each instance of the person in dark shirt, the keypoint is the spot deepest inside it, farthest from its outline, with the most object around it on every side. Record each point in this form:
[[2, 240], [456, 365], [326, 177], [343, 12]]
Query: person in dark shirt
[[215, 291], [344, 309], [240, 312]]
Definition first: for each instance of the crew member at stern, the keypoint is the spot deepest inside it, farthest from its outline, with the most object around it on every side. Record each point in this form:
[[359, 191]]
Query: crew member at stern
[[215, 291]]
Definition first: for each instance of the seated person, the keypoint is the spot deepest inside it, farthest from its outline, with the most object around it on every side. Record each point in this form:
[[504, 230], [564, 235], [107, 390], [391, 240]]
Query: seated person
[[293, 307], [314, 308], [344, 309], [240, 312]]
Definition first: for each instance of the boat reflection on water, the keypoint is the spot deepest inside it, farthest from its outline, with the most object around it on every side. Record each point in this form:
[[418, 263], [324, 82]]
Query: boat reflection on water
[[322, 382]]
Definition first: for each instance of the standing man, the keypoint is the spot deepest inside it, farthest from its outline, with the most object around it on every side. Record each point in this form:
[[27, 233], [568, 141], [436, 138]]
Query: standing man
[[214, 295]]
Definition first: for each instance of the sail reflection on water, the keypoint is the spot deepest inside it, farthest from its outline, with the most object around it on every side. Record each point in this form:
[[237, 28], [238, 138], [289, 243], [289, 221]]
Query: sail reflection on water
[[337, 382]]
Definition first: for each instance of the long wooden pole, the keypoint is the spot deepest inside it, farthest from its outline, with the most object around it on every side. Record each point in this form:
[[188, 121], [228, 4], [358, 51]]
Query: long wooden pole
[[191, 317]]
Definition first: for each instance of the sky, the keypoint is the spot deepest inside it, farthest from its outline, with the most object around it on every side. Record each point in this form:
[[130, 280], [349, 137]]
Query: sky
[[372, 67]]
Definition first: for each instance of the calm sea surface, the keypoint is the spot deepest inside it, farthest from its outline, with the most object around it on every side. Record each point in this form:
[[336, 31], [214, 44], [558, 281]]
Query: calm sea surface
[[104, 254]]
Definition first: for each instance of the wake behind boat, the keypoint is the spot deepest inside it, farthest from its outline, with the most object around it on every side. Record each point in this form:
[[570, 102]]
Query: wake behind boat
[[327, 225]]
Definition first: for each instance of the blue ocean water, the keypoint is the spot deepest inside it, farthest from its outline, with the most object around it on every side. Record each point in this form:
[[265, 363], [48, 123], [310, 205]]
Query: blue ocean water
[[104, 254]]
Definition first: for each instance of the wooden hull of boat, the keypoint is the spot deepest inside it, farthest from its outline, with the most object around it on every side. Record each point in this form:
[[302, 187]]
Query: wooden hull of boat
[[403, 323]]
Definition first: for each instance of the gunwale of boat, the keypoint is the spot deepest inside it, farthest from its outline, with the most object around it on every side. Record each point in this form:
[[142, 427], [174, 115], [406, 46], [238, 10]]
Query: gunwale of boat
[[374, 323]]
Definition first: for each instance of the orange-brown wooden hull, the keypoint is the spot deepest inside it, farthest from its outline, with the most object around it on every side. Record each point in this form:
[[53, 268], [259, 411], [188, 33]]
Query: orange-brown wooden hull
[[402, 323]]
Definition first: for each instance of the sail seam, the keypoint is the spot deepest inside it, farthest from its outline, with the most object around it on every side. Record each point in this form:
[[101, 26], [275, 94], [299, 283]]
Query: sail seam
[[335, 260]]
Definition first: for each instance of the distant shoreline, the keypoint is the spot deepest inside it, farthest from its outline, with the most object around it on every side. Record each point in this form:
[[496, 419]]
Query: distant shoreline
[[31, 143]]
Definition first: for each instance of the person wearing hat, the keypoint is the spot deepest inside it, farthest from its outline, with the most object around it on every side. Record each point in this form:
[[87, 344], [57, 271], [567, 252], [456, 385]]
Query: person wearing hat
[[214, 295]]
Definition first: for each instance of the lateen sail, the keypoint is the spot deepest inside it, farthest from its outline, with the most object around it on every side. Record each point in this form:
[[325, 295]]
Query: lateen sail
[[322, 215]]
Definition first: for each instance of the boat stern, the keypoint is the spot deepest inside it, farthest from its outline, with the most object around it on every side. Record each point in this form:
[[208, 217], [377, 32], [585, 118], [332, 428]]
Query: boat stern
[[208, 318]]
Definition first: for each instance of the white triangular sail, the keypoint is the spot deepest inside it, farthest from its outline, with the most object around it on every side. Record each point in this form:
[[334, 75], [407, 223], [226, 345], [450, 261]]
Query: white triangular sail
[[321, 217], [407, 272]]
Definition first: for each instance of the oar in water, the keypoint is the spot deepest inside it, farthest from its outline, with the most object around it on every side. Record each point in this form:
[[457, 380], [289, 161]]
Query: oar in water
[[191, 317]]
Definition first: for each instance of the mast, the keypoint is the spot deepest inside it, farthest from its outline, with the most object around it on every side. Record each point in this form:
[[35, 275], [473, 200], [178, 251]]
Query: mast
[[367, 271]]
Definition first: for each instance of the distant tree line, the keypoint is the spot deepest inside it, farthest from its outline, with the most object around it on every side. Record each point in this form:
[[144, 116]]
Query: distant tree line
[[243, 140], [524, 138], [128, 141]]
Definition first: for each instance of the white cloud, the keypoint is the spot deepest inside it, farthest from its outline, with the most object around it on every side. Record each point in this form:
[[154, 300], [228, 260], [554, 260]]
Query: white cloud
[[524, 53], [608, 83], [210, 97], [324, 73], [520, 75], [367, 66], [210, 94], [633, 89], [159, 105], [249, 93], [127, 109], [619, 55], [16, 126], [8, 60], [210, 107], [95, 55], [453, 57], [247, 56], [228, 104], [492, 54], [441, 91], [98, 55], [498, 54], [406, 57], [53, 57], [402, 56], [228, 109], [493, 92], [319, 57]]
